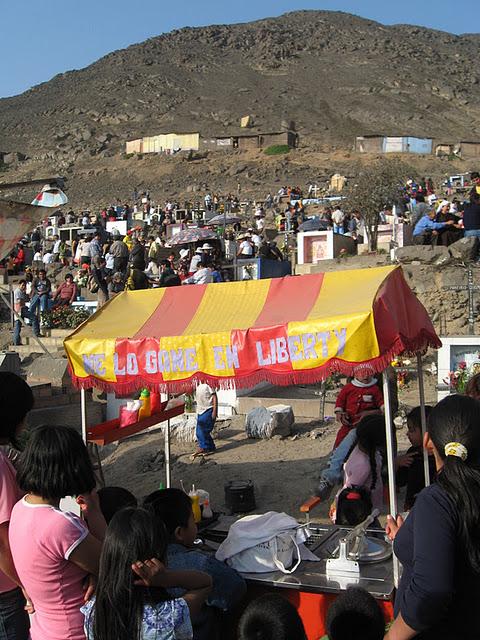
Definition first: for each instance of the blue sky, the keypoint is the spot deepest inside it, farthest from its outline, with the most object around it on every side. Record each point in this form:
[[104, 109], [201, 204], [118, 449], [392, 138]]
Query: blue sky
[[41, 38]]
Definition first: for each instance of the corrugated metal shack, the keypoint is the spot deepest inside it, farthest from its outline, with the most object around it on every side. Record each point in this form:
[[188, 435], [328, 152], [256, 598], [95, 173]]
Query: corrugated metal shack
[[393, 144]]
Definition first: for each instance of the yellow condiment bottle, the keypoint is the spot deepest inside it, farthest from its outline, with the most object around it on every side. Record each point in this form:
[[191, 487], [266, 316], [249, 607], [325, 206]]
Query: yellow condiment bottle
[[145, 410], [197, 514]]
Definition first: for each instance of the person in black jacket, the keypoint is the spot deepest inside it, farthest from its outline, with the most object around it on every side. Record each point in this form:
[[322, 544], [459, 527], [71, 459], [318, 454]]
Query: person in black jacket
[[137, 255], [168, 277], [438, 544]]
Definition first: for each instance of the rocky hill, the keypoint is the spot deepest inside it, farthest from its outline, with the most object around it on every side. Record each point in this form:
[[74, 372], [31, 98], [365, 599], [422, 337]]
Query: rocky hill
[[334, 74]]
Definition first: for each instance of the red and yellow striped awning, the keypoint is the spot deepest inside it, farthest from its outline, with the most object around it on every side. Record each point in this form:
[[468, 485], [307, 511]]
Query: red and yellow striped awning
[[285, 330]]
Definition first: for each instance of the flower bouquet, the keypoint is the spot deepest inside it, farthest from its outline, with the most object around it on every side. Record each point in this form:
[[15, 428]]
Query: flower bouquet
[[457, 380]]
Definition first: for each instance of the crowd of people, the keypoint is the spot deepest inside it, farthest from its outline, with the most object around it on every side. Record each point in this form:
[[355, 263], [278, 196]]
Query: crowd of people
[[106, 263], [128, 570]]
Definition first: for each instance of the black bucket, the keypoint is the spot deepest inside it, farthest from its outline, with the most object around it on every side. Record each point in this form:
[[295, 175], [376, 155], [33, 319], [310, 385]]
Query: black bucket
[[240, 496]]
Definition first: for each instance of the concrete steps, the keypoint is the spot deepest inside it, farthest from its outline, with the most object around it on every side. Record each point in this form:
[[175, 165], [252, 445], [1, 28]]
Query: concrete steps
[[53, 342], [47, 396]]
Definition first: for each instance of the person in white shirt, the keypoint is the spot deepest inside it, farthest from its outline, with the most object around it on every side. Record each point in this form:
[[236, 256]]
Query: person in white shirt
[[47, 258], [37, 257], [56, 248], [259, 222], [195, 261], [338, 218], [257, 241], [201, 276], [207, 406], [245, 250], [109, 262]]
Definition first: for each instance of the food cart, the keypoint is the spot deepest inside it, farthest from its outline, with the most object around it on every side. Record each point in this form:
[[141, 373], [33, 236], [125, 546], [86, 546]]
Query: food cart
[[290, 330]]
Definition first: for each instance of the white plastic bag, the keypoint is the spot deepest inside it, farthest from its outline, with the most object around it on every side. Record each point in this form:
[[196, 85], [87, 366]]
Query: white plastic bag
[[276, 554], [264, 543]]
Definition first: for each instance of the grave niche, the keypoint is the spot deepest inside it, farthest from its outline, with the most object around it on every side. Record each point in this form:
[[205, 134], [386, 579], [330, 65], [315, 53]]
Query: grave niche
[[454, 350]]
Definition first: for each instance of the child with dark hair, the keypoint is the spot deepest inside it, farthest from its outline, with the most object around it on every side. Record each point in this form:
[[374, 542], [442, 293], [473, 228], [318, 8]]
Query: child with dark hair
[[355, 615], [410, 469], [16, 400], [271, 617], [363, 464], [174, 508], [113, 499], [131, 599], [354, 504], [54, 552]]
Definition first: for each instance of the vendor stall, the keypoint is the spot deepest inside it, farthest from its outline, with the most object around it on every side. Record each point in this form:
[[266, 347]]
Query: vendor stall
[[286, 331]]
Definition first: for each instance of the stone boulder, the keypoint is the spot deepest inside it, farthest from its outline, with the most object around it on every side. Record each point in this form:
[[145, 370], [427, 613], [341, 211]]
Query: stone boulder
[[423, 254], [266, 422], [14, 156], [465, 249]]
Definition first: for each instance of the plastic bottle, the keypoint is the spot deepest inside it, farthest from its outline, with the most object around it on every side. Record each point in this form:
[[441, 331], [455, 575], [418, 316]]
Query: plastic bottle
[[155, 404], [207, 511], [197, 514], [145, 411]]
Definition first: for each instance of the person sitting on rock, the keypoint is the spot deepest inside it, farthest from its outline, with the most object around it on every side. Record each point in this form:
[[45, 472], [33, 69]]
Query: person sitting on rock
[[426, 230], [66, 293]]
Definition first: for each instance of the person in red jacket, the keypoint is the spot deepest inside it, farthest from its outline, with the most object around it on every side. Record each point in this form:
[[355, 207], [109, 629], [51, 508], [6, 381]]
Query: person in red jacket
[[19, 259], [358, 398]]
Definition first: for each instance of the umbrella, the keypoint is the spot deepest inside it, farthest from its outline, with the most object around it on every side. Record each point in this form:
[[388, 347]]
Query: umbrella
[[314, 224], [192, 235], [16, 219], [50, 196], [224, 220]]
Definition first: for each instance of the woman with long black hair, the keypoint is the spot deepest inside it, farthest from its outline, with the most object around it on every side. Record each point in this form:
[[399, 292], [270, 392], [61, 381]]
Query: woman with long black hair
[[439, 543], [131, 601]]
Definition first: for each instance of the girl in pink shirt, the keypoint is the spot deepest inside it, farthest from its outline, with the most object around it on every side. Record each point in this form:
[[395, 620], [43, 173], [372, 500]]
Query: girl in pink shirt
[[363, 465], [16, 400], [55, 552]]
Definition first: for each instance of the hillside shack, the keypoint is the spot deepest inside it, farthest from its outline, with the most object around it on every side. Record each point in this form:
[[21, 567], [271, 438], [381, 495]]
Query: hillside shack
[[165, 143], [469, 149], [393, 144]]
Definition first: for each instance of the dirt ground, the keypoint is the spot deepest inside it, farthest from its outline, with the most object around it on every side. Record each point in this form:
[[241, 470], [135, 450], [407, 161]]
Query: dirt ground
[[284, 470]]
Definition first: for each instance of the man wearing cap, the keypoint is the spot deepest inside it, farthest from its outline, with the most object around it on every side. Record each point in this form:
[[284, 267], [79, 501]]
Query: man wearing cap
[[206, 255]]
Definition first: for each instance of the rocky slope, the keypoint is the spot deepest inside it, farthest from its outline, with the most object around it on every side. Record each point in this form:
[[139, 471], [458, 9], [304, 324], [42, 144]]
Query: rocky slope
[[334, 74]]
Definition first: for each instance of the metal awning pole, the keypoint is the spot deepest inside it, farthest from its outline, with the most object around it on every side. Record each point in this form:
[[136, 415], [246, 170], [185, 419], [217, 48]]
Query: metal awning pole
[[423, 417], [83, 410], [392, 488], [168, 476]]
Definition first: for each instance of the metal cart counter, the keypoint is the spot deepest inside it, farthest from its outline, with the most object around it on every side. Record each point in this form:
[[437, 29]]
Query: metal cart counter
[[310, 588]]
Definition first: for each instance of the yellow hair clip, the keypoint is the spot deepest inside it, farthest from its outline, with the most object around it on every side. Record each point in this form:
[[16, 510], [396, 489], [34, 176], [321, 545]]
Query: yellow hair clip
[[456, 449]]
